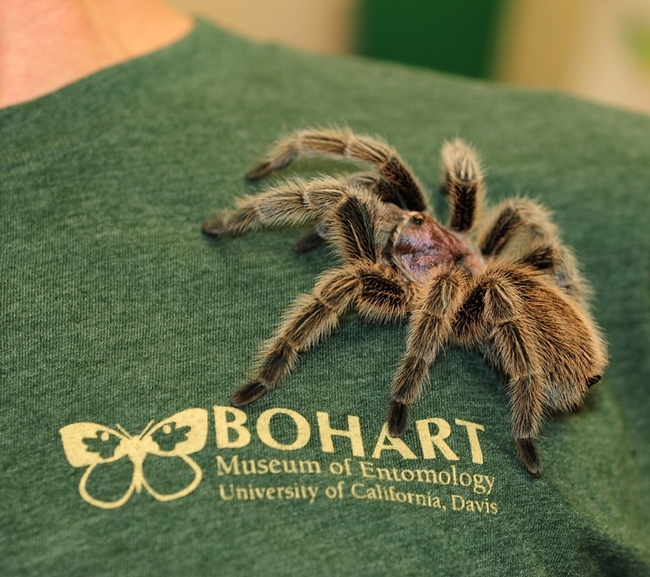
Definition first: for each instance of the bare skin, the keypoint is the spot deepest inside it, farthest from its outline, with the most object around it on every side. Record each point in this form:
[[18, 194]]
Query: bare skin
[[47, 44]]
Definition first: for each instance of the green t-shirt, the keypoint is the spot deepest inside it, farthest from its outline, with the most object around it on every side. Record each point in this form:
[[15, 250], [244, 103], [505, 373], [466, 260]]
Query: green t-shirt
[[125, 331]]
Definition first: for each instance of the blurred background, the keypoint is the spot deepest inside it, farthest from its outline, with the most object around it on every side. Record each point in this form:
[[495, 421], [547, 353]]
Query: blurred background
[[597, 49]]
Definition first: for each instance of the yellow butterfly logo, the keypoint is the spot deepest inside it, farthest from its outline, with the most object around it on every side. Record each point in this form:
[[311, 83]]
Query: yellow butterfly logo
[[90, 445]]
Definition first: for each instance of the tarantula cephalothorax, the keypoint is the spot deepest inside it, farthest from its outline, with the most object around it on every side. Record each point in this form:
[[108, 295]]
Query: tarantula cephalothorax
[[502, 284]]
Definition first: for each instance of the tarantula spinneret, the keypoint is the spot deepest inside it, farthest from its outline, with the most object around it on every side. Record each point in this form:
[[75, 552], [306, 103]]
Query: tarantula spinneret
[[500, 283]]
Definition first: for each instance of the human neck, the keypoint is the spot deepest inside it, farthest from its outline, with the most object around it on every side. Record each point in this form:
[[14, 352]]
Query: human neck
[[46, 44]]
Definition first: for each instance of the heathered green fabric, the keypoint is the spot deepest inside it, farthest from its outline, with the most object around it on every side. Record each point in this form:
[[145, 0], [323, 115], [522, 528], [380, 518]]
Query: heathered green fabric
[[115, 309]]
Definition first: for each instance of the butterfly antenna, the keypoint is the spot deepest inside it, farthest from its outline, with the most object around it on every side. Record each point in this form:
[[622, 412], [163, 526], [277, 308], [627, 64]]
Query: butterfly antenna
[[146, 429], [123, 431]]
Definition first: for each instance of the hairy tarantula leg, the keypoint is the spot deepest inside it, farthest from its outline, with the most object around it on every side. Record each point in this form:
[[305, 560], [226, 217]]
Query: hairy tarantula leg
[[371, 183], [494, 309], [353, 229], [293, 202], [525, 218], [429, 330], [516, 216], [310, 318], [529, 456], [379, 294], [314, 316], [344, 144], [463, 184], [379, 187], [384, 293], [559, 262]]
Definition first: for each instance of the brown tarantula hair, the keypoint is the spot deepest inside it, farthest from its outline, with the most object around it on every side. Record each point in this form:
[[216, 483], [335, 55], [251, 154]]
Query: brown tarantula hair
[[499, 282]]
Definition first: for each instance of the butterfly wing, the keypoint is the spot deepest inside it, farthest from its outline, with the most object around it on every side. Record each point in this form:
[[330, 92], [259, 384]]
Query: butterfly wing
[[90, 445], [181, 434], [178, 436], [86, 444]]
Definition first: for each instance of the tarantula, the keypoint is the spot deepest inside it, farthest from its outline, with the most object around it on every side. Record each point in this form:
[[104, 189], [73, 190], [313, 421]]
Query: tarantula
[[502, 284]]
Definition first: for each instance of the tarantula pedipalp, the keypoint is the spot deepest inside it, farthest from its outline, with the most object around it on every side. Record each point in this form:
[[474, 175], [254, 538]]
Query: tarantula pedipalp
[[502, 284]]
